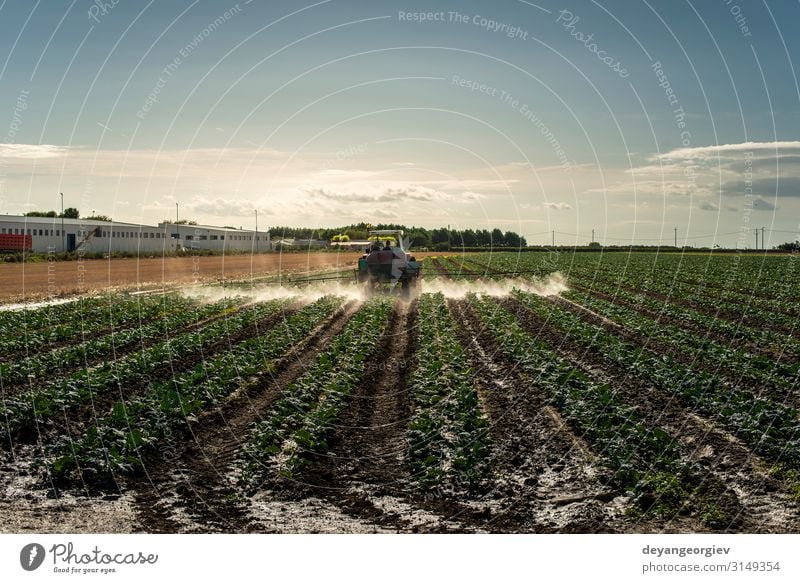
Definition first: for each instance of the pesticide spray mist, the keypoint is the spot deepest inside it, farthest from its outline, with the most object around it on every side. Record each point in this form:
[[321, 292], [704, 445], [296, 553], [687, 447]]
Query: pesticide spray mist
[[552, 285]]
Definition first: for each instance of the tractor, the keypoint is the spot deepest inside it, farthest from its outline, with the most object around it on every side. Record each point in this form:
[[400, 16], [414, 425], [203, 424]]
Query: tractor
[[386, 265]]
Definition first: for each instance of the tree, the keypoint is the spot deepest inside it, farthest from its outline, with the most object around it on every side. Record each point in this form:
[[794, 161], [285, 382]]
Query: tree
[[70, 213], [793, 247], [498, 240], [420, 238], [105, 218], [469, 238], [440, 236], [49, 214], [512, 239]]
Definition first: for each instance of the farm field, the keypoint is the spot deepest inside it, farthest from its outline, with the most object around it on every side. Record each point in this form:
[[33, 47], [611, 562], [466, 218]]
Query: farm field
[[595, 392]]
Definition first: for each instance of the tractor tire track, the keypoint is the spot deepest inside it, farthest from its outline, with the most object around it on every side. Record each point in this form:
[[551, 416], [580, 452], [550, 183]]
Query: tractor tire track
[[365, 467]]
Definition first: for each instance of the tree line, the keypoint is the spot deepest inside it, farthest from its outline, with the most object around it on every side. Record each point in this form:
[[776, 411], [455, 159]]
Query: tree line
[[420, 237]]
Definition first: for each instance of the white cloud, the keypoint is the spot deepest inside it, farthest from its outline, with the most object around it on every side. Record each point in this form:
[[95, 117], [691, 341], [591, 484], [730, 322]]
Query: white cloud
[[31, 151], [760, 204], [705, 205], [760, 169], [557, 206], [727, 150], [381, 192]]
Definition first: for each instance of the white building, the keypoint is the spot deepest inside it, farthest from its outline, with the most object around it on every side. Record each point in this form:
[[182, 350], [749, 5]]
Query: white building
[[93, 236]]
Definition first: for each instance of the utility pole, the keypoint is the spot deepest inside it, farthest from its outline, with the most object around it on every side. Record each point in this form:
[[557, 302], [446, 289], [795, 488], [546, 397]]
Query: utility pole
[[592, 236], [763, 246], [63, 234], [554, 238], [676, 237], [177, 229], [256, 230], [756, 230]]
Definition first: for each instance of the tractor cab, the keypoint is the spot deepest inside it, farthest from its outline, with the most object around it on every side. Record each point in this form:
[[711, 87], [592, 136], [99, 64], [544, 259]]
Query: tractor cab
[[385, 264]]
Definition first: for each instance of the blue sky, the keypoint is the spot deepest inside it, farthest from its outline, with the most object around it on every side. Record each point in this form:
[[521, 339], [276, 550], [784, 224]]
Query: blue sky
[[473, 114]]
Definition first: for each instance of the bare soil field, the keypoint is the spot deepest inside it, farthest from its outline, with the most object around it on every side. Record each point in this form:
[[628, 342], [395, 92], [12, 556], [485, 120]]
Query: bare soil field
[[32, 281]]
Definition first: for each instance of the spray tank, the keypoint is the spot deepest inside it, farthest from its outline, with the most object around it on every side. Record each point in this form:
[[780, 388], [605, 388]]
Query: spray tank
[[386, 267]]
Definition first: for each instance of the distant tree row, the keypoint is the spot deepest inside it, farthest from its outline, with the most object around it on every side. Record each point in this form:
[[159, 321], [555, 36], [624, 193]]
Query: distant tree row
[[441, 238], [69, 213], [792, 247]]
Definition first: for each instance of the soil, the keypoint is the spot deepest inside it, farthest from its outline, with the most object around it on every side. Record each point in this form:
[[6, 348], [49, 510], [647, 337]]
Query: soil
[[31, 281], [36, 281]]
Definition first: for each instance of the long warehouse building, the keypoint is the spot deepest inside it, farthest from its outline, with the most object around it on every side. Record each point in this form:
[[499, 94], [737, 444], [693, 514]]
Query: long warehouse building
[[89, 235]]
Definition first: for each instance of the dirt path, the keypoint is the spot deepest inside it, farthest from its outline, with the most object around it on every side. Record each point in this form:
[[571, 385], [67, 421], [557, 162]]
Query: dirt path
[[190, 489], [365, 459]]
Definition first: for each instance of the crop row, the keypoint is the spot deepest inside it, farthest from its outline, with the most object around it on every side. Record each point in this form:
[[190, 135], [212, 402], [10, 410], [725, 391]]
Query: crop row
[[662, 276], [711, 299], [764, 340], [302, 419], [41, 403], [771, 429], [58, 313], [105, 347], [449, 444], [645, 460], [116, 443], [89, 322], [762, 371]]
